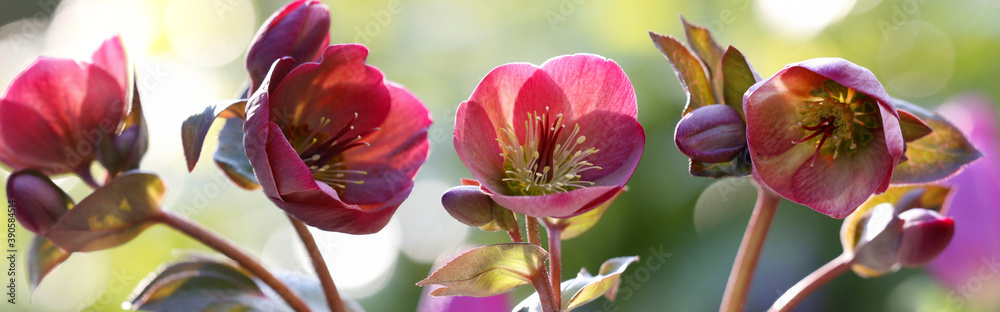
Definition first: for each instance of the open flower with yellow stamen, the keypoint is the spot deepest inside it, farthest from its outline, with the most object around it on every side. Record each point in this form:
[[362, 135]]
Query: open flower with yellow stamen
[[823, 133], [551, 141], [333, 143]]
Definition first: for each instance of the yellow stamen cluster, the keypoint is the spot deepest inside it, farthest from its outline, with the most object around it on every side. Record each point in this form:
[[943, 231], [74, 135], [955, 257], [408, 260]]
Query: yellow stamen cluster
[[541, 165]]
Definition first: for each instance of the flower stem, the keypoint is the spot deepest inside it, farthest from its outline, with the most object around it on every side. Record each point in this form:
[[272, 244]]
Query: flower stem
[[322, 271], [515, 233], [811, 283], [223, 246], [555, 260], [540, 281], [746, 258], [531, 223]]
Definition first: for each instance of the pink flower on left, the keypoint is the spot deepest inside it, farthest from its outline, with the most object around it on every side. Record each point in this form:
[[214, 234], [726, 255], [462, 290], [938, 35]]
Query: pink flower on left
[[55, 113]]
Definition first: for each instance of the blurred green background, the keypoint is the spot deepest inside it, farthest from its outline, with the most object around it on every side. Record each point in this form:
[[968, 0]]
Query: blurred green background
[[190, 52]]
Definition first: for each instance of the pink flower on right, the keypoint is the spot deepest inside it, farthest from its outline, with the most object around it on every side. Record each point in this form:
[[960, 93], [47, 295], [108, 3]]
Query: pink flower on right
[[823, 133]]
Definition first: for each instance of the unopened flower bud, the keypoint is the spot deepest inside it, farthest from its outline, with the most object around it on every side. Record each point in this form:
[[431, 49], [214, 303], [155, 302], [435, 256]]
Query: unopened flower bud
[[468, 205], [38, 203], [925, 234], [711, 134], [875, 253], [301, 30]]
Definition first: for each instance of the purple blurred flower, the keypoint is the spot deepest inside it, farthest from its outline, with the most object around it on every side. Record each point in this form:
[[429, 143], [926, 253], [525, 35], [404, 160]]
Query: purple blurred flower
[[972, 260]]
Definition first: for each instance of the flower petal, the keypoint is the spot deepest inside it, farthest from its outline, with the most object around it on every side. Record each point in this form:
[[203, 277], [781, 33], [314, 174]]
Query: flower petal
[[620, 140], [336, 87], [395, 154], [300, 30], [476, 145], [559, 205], [326, 215], [592, 83], [111, 57]]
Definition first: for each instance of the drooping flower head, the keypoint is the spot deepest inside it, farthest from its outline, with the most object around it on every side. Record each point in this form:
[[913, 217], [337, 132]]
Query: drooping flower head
[[57, 112], [333, 143], [823, 133], [551, 141]]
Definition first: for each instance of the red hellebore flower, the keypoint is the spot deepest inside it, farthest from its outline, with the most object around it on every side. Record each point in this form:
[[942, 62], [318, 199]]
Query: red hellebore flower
[[55, 113], [551, 141], [334, 144], [300, 30], [823, 133]]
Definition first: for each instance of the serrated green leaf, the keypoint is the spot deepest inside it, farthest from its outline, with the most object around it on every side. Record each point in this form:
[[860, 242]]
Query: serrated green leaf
[[112, 215], [700, 40], [738, 167], [200, 285], [936, 156], [488, 270], [195, 127], [573, 227], [737, 77], [689, 69], [231, 157], [43, 256]]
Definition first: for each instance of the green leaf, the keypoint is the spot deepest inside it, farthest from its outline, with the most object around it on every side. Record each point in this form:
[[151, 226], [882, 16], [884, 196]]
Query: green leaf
[[573, 227], [195, 127], [488, 270], [936, 156], [737, 77], [911, 126], [231, 157], [43, 256], [689, 69], [738, 167], [585, 287], [111, 215], [200, 285], [503, 219], [700, 40]]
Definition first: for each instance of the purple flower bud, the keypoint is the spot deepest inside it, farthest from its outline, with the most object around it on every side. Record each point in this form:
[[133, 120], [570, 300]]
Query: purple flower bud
[[468, 205], [925, 234], [711, 134], [38, 202], [301, 30], [875, 253]]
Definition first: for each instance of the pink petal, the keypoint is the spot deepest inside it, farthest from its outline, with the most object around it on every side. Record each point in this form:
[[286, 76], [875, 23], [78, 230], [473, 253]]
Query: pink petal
[[337, 87], [476, 145], [620, 140], [21, 149], [395, 154], [592, 83], [111, 57], [300, 30], [559, 205], [850, 75]]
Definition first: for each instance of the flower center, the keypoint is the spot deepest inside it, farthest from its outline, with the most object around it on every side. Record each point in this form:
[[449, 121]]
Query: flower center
[[838, 118], [545, 165], [323, 153]]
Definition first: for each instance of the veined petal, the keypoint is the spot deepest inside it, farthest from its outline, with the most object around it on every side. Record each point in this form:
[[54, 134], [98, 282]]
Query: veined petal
[[592, 83], [395, 154], [476, 145], [336, 87]]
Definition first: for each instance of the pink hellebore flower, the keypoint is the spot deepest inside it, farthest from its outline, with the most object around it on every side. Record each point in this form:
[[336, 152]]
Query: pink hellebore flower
[[551, 141], [823, 133], [333, 143], [55, 113], [300, 30]]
